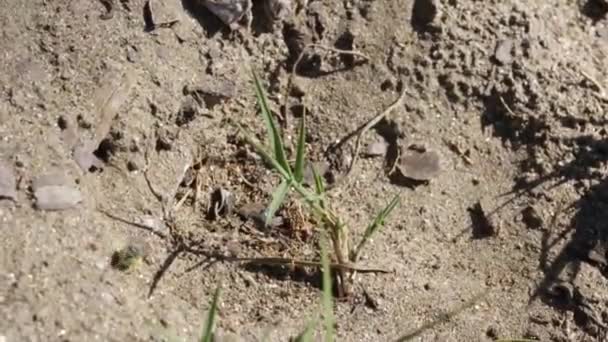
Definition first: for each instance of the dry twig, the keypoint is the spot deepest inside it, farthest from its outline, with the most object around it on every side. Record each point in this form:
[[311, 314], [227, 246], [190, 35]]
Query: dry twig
[[359, 132], [601, 92], [347, 267], [294, 69]]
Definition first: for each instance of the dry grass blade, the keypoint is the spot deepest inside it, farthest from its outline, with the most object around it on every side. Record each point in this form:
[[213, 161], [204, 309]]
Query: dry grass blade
[[360, 131], [328, 309], [304, 263]]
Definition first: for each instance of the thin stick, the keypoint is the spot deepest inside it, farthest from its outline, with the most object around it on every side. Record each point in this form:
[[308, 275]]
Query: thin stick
[[294, 69], [182, 200], [159, 196], [361, 130], [197, 193], [316, 264], [506, 106], [601, 93], [132, 223], [171, 198]]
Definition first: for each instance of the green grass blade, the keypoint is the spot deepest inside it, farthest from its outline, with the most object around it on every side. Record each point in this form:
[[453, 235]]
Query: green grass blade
[[278, 196], [300, 150], [208, 332], [267, 157], [328, 309], [278, 148], [306, 335], [319, 187], [319, 182], [374, 226]]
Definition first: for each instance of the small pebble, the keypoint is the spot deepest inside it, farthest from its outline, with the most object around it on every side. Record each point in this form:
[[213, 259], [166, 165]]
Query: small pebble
[[55, 191], [502, 54], [57, 197], [376, 149], [132, 166]]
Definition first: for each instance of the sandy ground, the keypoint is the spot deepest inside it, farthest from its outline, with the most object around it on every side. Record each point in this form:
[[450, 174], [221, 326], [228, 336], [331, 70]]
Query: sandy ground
[[511, 94]]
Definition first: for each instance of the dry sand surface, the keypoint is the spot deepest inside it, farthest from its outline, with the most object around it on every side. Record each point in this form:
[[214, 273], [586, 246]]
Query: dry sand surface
[[505, 238]]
